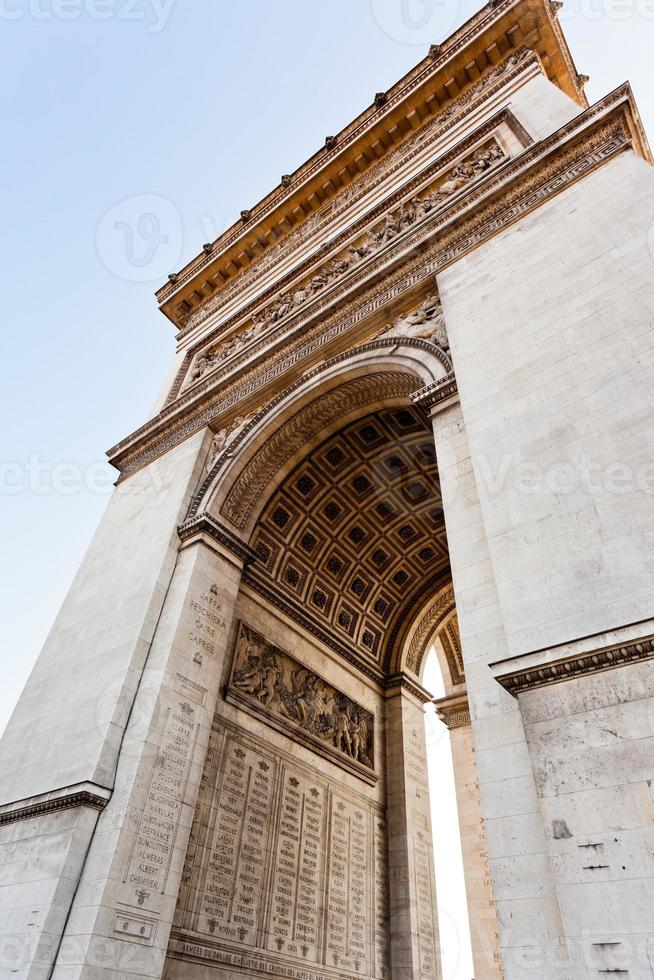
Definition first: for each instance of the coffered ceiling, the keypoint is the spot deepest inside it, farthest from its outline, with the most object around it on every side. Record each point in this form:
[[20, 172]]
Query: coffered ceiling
[[355, 535]]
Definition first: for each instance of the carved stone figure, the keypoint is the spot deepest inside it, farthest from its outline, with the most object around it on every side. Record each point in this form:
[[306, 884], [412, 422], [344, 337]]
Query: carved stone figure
[[342, 739], [288, 690], [202, 364], [270, 676], [223, 437], [426, 322]]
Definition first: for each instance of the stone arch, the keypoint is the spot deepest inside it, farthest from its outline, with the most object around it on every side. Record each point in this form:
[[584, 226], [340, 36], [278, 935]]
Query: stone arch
[[436, 615], [367, 403], [382, 372]]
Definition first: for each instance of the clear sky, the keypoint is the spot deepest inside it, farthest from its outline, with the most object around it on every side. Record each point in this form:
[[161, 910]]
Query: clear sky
[[189, 111]]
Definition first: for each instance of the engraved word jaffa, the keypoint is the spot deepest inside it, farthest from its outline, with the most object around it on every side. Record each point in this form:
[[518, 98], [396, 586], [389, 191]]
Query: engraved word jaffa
[[296, 698], [206, 622]]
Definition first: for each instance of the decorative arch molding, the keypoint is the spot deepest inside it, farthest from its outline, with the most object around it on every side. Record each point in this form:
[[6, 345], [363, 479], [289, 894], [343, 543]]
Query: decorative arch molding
[[302, 428], [434, 616], [383, 371]]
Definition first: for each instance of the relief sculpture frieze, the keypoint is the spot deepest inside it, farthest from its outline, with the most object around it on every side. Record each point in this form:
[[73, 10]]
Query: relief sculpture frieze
[[298, 702], [411, 212]]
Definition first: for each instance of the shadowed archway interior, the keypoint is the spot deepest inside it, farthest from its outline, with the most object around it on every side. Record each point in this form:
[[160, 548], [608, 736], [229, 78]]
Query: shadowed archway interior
[[355, 536]]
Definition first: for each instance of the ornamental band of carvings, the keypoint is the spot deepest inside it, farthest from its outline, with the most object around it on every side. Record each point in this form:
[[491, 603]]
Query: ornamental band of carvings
[[66, 802], [520, 681], [304, 425], [435, 614], [414, 239], [412, 212], [360, 187], [301, 704], [551, 171], [454, 711], [434, 396]]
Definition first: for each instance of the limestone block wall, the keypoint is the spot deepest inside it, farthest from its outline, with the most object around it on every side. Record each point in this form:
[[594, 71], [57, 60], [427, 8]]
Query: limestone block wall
[[550, 325], [69, 720], [528, 917], [542, 107], [479, 888], [40, 861], [591, 742], [64, 737]]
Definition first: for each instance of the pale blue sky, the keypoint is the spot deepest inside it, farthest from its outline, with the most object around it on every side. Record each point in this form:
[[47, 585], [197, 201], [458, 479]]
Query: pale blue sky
[[202, 104]]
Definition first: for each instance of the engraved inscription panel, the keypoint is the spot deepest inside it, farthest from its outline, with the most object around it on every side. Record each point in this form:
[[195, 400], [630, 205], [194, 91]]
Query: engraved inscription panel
[[231, 895], [206, 623], [346, 908], [381, 907], [283, 864], [424, 874], [296, 905], [152, 847]]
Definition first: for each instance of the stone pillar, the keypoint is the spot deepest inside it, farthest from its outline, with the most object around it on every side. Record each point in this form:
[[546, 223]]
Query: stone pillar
[[528, 914], [454, 711], [415, 951], [59, 753], [588, 711], [123, 909]]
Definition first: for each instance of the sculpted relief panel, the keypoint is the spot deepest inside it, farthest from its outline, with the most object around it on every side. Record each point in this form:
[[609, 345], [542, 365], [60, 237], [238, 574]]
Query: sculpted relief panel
[[322, 221], [410, 213], [297, 701], [286, 872]]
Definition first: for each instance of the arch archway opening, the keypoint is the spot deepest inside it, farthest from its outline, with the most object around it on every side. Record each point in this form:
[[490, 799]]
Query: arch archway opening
[[453, 916], [337, 499]]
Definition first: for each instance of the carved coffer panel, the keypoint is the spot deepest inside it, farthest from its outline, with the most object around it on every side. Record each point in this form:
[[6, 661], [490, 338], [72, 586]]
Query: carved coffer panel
[[286, 872]]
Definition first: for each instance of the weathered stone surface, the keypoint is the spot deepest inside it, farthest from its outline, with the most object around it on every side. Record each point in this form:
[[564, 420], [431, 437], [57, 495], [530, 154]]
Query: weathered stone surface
[[218, 767]]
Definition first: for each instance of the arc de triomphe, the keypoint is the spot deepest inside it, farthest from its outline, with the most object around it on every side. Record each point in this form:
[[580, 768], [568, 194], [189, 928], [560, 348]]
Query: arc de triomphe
[[410, 408]]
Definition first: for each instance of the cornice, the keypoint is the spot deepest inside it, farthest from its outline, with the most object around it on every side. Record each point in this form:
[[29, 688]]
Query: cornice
[[318, 225], [447, 60], [573, 666], [319, 259], [520, 186], [206, 524], [454, 711], [82, 794], [434, 396], [406, 684]]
